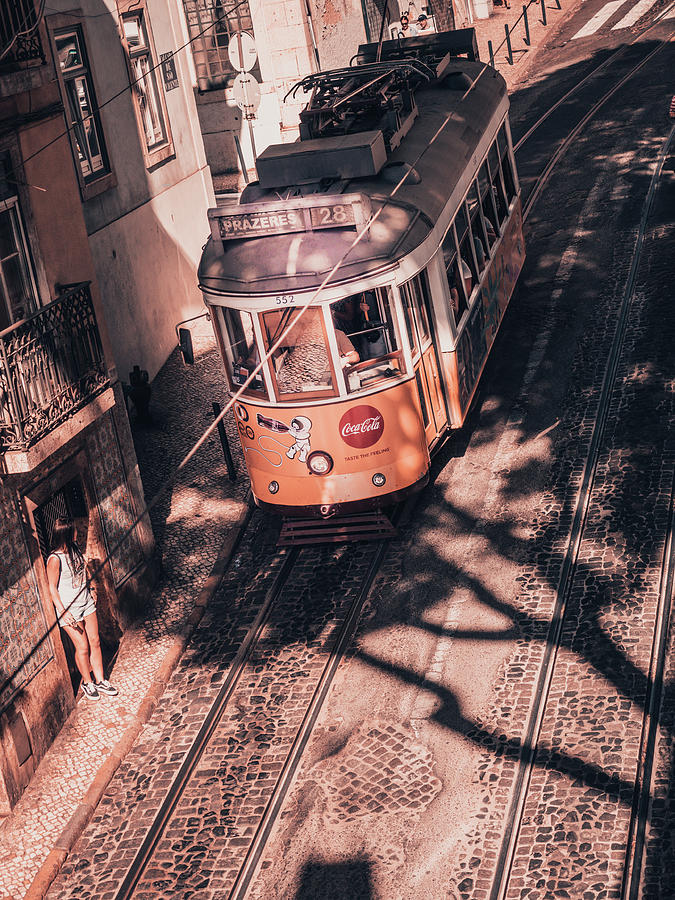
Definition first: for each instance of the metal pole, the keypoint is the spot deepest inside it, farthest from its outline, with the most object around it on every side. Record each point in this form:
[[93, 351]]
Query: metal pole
[[250, 131], [558, 4], [229, 462], [543, 12], [242, 161], [527, 26], [492, 54], [508, 42]]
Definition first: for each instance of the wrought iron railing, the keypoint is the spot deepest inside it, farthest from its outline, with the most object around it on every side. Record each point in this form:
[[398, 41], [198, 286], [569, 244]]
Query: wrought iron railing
[[51, 365], [19, 37]]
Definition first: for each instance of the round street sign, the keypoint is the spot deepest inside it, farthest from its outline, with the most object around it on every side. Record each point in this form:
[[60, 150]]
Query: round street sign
[[246, 93], [241, 51]]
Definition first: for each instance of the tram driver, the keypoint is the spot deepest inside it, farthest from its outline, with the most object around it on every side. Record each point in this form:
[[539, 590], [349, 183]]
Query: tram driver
[[351, 317]]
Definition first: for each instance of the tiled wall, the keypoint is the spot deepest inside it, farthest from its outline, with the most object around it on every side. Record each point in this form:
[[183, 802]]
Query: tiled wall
[[25, 646]]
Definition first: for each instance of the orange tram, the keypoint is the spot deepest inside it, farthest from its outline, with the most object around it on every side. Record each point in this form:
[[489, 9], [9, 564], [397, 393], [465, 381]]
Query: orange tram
[[344, 415]]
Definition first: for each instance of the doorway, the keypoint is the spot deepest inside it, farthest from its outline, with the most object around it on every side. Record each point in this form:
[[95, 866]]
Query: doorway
[[68, 493]]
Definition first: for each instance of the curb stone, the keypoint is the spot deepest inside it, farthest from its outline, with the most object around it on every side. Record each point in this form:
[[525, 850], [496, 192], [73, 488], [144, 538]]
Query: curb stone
[[51, 867]]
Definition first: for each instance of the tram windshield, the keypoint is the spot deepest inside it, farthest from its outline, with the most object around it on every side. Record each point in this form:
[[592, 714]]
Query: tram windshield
[[240, 350], [367, 339], [302, 363]]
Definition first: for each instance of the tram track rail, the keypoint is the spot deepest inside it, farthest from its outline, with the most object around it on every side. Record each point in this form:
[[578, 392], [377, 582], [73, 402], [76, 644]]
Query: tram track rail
[[545, 175], [181, 781], [530, 740], [616, 55], [348, 628], [275, 803]]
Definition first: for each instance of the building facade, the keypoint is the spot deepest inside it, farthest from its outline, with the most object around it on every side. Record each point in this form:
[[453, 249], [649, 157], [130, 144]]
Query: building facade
[[65, 442], [126, 80]]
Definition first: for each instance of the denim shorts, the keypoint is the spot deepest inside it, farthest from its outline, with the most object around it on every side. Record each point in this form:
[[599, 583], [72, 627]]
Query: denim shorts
[[80, 608]]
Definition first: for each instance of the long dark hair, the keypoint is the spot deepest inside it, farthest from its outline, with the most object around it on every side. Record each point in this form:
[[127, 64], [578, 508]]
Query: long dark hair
[[63, 537]]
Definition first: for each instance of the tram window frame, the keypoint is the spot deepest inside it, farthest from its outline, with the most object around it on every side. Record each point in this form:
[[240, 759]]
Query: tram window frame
[[496, 180], [503, 144], [467, 249], [413, 292], [228, 340], [455, 282], [461, 222], [285, 318], [487, 197], [368, 371], [420, 393], [477, 224]]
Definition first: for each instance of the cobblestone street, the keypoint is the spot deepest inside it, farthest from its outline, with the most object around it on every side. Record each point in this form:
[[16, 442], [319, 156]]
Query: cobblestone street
[[472, 709]]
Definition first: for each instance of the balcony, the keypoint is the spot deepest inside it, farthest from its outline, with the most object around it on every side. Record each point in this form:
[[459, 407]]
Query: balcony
[[19, 39], [53, 379]]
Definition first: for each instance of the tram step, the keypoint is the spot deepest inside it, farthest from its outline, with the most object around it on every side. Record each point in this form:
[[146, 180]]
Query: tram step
[[336, 530]]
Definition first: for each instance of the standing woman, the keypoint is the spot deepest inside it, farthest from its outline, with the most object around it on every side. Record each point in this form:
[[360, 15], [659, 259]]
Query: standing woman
[[76, 607]]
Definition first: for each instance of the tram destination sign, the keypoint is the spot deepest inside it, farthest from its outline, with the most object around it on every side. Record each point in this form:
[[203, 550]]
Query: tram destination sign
[[288, 216]]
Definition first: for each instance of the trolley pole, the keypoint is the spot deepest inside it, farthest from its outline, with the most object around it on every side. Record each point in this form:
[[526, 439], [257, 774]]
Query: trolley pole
[[508, 42], [227, 453], [492, 54], [527, 27], [543, 12]]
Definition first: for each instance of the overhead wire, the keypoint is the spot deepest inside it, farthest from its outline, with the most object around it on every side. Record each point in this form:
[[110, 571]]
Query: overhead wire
[[238, 394], [133, 82]]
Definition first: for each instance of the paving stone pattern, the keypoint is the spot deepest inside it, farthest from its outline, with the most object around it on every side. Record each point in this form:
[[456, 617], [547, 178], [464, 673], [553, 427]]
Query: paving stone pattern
[[191, 518], [382, 770], [572, 842], [655, 281], [207, 839]]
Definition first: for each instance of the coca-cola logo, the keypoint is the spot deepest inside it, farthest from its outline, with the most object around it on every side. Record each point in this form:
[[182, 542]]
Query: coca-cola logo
[[361, 426]]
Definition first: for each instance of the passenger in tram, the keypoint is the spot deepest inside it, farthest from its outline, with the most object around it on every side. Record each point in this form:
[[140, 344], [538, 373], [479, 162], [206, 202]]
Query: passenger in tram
[[467, 276], [480, 250], [423, 24], [351, 317], [407, 30]]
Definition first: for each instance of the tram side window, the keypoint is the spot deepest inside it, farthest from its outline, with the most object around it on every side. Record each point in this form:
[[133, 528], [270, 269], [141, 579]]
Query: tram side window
[[467, 261], [241, 351], [478, 228], [488, 205], [456, 284], [364, 325], [301, 364], [507, 170], [497, 184]]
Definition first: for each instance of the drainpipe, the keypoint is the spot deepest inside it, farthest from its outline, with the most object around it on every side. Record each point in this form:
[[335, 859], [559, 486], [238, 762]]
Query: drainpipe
[[310, 25]]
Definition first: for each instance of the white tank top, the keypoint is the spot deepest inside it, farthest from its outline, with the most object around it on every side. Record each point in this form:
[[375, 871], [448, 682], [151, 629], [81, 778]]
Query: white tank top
[[70, 583]]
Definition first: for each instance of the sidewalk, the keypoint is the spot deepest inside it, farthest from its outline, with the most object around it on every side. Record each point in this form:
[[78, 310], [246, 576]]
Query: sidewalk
[[492, 29], [195, 526], [191, 524]]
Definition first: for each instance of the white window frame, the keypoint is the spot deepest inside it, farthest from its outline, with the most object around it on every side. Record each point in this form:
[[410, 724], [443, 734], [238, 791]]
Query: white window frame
[[94, 175], [12, 206], [146, 83]]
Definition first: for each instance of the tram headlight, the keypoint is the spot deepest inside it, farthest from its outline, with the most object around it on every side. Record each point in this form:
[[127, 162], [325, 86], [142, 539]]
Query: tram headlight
[[273, 487], [379, 480], [319, 462]]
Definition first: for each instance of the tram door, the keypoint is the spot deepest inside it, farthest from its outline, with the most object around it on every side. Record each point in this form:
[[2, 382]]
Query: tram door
[[415, 298]]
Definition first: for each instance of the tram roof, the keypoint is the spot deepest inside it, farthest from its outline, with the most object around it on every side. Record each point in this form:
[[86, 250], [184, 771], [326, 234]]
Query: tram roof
[[299, 261]]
